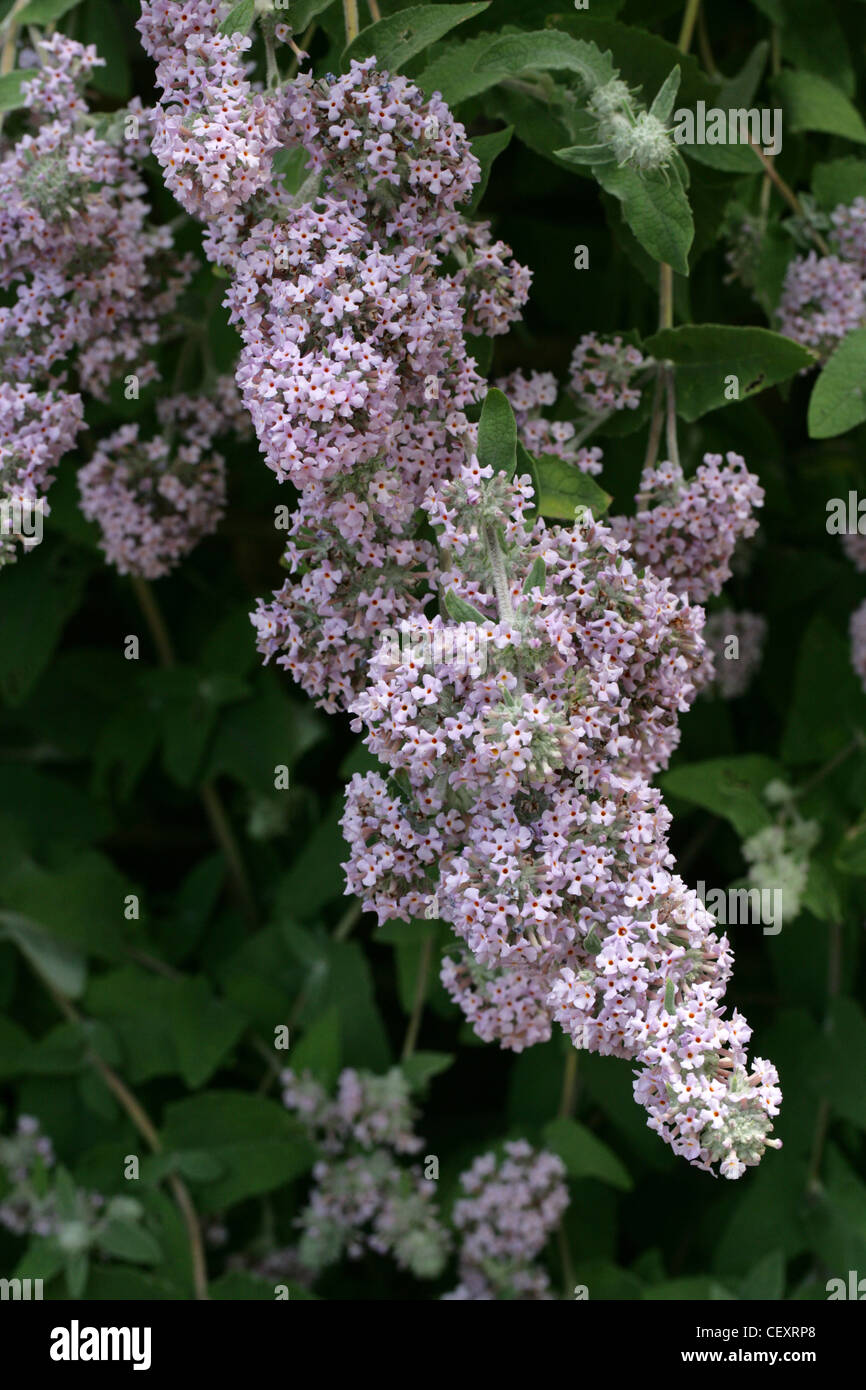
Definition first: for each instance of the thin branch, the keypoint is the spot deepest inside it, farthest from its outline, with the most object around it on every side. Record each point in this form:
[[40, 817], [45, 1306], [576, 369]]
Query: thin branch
[[671, 416], [217, 816], [350, 16], [656, 422], [143, 1123], [822, 1121], [704, 47], [225, 837], [347, 922], [568, 1095], [789, 196], [154, 619], [420, 995], [684, 42]]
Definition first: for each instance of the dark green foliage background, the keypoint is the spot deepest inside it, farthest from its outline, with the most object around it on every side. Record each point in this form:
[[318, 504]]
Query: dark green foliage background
[[102, 761]]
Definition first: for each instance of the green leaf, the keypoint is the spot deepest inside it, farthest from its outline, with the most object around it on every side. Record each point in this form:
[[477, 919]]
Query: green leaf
[[421, 1067], [117, 1282], [461, 611], [697, 1289], [14, 1045], [453, 72], [706, 355], [644, 60], [11, 95], [838, 400], [526, 465], [399, 37], [548, 48], [563, 489], [740, 91], [839, 181], [813, 103], [766, 1279], [198, 1165], [670, 997], [584, 1155], [536, 576], [497, 434], [663, 104], [166, 1026], [657, 211], [40, 593], [851, 854], [44, 11], [240, 18], [256, 735], [129, 1240], [257, 1142], [839, 1055], [77, 1269], [302, 11], [60, 964], [730, 787], [486, 148], [80, 901], [204, 1029], [826, 704], [319, 1051]]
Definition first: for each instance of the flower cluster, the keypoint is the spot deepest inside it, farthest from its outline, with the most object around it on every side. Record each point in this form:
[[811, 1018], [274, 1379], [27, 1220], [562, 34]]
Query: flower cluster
[[83, 273], [778, 855], [518, 806], [385, 148], [40, 1199], [823, 300], [504, 1220], [23, 1209], [602, 373], [213, 135], [736, 641], [635, 138], [362, 1197], [528, 395], [338, 334], [503, 1005], [354, 364], [849, 232], [154, 499], [527, 787], [36, 429], [687, 530]]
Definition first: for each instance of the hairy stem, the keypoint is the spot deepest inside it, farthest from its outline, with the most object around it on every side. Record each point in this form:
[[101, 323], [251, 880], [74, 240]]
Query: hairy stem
[[661, 394], [272, 66]]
